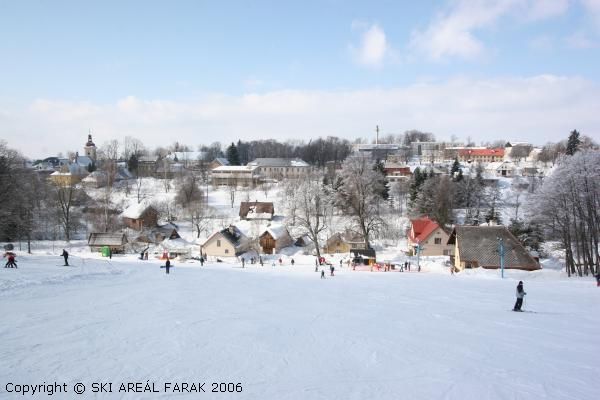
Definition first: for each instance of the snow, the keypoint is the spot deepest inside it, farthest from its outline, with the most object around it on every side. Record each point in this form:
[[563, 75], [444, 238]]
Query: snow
[[286, 334], [136, 210]]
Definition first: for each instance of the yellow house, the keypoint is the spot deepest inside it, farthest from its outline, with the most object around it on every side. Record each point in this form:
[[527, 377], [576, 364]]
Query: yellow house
[[230, 242]]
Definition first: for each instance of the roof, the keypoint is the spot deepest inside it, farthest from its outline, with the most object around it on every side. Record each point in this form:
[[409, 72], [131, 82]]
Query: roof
[[276, 231], [469, 152], [235, 168], [222, 161], [232, 234], [480, 244], [254, 208], [421, 228], [107, 239], [279, 162], [137, 210], [187, 155]]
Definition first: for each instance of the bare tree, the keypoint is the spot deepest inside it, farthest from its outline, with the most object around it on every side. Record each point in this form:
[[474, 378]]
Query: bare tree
[[310, 201]]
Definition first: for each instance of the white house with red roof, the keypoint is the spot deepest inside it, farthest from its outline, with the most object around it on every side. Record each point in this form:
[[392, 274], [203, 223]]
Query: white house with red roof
[[430, 236]]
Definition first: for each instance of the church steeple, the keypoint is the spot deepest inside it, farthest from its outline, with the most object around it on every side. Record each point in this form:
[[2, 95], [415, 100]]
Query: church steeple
[[90, 148]]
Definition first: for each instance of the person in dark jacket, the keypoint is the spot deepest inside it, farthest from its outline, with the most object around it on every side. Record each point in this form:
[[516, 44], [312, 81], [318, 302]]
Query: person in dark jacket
[[520, 295], [322, 274], [65, 254], [201, 261], [167, 265], [598, 280]]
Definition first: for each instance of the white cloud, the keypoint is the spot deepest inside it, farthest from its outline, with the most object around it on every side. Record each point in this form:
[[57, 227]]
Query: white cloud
[[452, 33], [580, 40], [536, 109], [373, 46]]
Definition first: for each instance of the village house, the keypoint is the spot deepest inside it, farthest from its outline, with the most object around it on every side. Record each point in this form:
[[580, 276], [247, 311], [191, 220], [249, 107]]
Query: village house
[[344, 242], [140, 216], [256, 210], [281, 168], [147, 166], [505, 169], [430, 236], [96, 179], [229, 242], [188, 159], [158, 234], [236, 175], [114, 241], [478, 246], [274, 238]]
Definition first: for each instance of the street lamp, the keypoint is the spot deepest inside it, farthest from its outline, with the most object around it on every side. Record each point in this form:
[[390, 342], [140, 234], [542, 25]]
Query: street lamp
[[501, 252]]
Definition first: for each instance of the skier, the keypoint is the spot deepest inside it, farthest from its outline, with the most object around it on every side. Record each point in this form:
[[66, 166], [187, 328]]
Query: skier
[[201, 261], [280, 261], [146, 255], [316, 265], [142, 255], [322, 274], [520, 295], [167, 265], [341, 263], [261, 261], [243, 262], [332, 268], [110, 253], [11, 261], [409, 266], [65, 254], [293, 262], [598, 279]]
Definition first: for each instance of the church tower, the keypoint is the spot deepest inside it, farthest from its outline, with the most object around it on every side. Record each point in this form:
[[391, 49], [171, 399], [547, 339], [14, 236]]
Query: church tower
[[90, 148]]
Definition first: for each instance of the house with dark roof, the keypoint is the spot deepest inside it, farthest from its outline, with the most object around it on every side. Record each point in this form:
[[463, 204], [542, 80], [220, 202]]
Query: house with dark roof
[[256, 210], [428, 234], [229, 242], [115, 241], [478, 246]]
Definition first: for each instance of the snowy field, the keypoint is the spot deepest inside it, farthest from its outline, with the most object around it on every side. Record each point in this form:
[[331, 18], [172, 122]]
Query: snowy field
[[284, 333]]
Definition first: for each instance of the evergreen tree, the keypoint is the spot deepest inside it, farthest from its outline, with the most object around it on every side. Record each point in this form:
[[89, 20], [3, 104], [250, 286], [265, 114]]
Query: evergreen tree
[[384, 190], [455, 167], [132, 164], [573, 143], [232, 155], [91, 167], [459, 176]]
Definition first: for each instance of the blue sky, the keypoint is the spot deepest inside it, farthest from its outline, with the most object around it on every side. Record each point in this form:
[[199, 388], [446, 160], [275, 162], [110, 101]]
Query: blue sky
[[198, 71]]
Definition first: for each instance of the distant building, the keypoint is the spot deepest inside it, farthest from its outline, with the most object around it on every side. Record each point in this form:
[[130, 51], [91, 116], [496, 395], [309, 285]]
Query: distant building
[[344, 242], [480, 155], [235, 175], [380, 151], [281, 168], [90, 149], [218, 162], [478, 246], [256, 210]]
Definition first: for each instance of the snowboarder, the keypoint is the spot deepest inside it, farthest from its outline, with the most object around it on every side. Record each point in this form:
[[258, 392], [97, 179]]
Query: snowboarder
[[167, 265], [201, 261], [322, 274], [65, 254], [520, 295]]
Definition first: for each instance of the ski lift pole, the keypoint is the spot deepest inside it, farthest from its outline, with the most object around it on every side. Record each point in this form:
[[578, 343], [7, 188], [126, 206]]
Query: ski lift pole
[[501, 252]]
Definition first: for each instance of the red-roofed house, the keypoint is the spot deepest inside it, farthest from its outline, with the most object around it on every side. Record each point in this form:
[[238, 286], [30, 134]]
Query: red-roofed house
[[432, 238], [480, 155]]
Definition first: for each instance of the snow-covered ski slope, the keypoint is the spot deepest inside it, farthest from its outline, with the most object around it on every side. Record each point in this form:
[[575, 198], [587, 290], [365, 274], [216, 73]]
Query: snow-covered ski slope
[[284, 333]]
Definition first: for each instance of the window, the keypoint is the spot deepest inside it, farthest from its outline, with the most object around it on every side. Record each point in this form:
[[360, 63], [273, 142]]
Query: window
[[446, 252], [218, 243], [226, 251], [438, 240]]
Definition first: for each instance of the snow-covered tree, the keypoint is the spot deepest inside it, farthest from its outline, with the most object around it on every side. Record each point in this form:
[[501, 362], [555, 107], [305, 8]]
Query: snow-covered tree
[[360, 195], [568, 206]]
